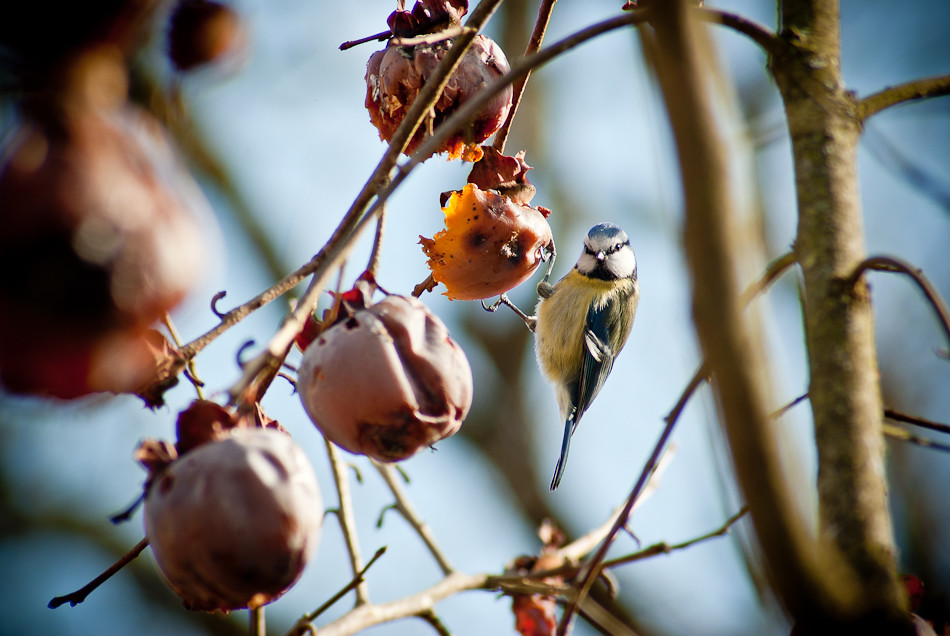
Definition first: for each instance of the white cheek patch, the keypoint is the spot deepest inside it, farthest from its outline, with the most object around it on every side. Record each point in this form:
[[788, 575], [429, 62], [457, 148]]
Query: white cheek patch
[[624, 262]]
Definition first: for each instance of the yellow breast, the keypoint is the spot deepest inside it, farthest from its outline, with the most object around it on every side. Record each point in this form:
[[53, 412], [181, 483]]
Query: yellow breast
[[559, 336]]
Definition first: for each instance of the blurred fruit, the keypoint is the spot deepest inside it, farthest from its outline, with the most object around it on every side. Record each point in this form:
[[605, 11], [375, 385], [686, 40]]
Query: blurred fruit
[[387, 381], [39, 38], [97, 241], [396, 74], [232, 523], [202, 31], [490, 244]]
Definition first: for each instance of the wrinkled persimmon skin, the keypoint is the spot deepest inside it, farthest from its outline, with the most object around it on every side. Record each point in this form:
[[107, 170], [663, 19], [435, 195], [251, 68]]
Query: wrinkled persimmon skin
[[386, 382], [232, 523], [396, 74], [490, 244]]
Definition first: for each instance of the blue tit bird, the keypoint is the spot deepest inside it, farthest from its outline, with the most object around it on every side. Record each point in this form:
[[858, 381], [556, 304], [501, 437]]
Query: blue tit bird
[[582, 323]]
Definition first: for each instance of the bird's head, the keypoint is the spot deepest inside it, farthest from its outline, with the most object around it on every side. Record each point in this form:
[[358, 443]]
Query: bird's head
[[607, 254]]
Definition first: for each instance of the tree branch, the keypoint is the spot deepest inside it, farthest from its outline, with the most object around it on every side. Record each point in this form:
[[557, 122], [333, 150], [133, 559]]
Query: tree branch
[[908, 91], [80, 595], [825, 127], [666, 548], [759, 34], [891, 264], [733, 351], [534, 44], [409, 513], [347, 519]]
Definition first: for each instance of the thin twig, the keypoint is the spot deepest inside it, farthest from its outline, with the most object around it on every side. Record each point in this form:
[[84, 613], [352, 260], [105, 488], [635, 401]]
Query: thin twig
[[517, 88], [80, 595], [772, 271], [260, 371], [891, 264], [434, 622], [779, 412], [409, 513], [378, 37], [582, 546], [897, 416], [347, 519], [373, 264], [771, 274], [908, 167], [759, 34], [192, 374], [592, 567], [665, 548], [898, 433], [908, 91], [304, 623]]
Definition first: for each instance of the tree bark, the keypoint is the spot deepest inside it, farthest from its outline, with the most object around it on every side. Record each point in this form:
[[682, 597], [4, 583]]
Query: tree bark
[[824, 125]]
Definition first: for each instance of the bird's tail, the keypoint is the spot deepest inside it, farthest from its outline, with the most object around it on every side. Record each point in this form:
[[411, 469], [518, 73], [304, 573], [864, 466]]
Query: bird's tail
[[565, 447]]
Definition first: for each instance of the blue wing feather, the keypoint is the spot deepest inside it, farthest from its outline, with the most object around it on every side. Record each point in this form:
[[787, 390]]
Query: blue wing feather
[[598, 358]]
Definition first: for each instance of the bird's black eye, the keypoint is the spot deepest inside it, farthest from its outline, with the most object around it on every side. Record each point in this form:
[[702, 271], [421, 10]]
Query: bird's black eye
[[587, 249]]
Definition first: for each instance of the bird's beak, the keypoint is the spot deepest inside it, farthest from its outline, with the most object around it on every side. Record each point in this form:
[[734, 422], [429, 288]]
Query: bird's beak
[[600, 256]]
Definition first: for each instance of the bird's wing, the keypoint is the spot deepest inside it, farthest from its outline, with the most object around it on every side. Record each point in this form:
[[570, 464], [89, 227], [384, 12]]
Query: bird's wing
[[598, 359]]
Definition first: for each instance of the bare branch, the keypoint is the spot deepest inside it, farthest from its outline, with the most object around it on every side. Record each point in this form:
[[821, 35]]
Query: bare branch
[[435, 623], [665, 548], [77, 597], [759, 34], [367, 616], [303, 625], [891, 264], [891, 414], [347, 519], [373, 264], [908, 91], [406, 509], [898, 433], [534, 44]]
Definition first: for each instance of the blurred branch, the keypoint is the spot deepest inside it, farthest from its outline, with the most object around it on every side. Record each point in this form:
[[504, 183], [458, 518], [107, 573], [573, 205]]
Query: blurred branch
[[759, 34], [775, 269], [733, 351], [897, 416], [347, 520], [258, 626], [891, 264], [904, 167], [908, 91], [534, 44], [175, 115], [434, 622], [409, 513], [898, 433]]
